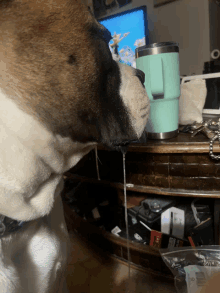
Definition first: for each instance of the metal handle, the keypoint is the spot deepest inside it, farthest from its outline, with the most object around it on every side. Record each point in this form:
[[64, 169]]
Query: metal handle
[[156, 78]]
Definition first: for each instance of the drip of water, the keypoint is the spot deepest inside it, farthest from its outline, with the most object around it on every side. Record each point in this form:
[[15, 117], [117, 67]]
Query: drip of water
[[123, 150], [97, 165]]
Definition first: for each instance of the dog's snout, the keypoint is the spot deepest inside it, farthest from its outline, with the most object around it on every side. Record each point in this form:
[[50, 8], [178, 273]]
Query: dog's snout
[[124, 142], [140, 74]]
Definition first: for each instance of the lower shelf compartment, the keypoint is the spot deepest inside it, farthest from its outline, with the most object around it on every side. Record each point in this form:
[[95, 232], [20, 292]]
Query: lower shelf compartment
[[93, 211], [142, 256]]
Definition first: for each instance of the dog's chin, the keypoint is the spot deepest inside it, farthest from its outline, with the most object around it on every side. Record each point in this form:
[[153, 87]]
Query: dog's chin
[[119, 146]]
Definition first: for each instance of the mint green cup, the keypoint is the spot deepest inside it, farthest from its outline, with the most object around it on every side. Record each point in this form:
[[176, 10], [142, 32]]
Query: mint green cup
[[160, 63]]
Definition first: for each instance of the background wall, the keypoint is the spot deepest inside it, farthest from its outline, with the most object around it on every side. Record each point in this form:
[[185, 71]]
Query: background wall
[[191, 23], [187, 22], [214, 12]]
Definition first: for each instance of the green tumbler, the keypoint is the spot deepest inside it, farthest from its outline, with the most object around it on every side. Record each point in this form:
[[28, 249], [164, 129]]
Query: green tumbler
[[160, 63]]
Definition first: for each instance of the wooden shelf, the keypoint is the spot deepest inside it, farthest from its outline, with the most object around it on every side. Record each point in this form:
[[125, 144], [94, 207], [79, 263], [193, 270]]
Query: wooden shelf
[[147, 189], [183, 143], [176, 167]]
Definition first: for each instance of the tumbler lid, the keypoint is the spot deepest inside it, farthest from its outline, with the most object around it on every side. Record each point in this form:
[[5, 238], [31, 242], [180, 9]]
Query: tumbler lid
[[156, 48]]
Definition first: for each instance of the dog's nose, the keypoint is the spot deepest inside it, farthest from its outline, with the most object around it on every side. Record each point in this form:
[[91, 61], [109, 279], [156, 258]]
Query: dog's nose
[[140, 74], [124, 143]]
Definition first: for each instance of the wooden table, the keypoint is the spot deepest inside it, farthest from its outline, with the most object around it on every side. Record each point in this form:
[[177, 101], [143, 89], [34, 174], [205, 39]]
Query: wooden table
[[179, 167], [176, 167]]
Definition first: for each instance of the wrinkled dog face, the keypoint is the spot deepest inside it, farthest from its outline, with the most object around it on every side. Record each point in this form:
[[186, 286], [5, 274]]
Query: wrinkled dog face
[[57, 66]]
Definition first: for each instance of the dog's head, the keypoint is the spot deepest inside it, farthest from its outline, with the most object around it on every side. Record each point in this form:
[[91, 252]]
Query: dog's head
[[57, 66]]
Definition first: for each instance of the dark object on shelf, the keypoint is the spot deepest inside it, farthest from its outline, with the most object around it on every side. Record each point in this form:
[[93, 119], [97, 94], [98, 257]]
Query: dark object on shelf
[[112, 216], [137, 233], [202, 234], [150, 210], [132, 215], [162, 240], [204, 211], [185, 128], [213, 85]]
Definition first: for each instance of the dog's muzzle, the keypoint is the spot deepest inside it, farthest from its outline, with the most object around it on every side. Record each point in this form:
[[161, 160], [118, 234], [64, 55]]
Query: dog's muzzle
[[123, 146]]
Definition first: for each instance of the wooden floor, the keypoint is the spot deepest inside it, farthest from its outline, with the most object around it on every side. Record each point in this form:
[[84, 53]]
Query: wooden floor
[[91, 271]]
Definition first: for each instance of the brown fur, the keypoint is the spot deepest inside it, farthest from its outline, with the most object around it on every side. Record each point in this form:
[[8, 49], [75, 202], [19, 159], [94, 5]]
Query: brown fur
[[46, 69]]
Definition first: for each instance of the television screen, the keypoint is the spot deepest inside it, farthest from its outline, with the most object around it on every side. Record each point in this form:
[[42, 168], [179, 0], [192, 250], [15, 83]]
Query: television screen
[[129, 30]]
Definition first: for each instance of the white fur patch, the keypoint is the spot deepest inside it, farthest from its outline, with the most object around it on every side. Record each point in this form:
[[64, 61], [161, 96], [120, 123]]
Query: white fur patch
[[32, 161], [135, 98]]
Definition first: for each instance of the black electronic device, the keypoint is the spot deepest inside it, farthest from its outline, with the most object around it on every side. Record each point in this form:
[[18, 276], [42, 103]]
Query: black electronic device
[[212, 104], [150, 210], [202, 234]]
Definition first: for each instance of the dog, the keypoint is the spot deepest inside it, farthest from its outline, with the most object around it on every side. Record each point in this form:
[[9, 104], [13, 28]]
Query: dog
[[61, 93]]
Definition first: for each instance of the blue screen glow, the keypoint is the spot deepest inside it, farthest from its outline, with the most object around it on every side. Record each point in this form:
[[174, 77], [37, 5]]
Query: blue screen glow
[[132, 23]]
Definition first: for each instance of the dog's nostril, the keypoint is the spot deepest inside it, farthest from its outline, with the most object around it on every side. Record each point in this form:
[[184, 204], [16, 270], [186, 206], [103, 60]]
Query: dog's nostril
[[140, 74]]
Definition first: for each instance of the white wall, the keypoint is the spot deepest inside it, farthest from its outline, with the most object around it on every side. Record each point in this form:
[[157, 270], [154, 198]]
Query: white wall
[[183, 21], [187, 22]]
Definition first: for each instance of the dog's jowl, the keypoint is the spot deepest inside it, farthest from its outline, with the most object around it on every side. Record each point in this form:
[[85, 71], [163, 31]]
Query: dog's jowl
[[61, 93]]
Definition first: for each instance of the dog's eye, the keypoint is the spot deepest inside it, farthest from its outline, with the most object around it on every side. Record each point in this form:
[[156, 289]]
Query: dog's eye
[[71, 59]]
